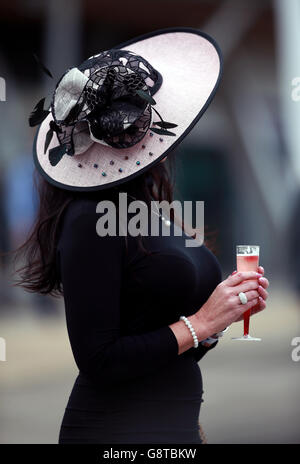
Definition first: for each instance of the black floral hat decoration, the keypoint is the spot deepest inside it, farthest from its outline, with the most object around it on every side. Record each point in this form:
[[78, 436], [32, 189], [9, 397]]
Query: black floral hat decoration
[[104, 126], [106, 100]]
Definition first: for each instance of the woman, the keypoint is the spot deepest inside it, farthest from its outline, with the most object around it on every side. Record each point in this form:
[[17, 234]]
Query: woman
[[141, 311]]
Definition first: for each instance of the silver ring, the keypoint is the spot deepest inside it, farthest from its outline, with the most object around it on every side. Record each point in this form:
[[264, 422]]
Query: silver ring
[[243, 298]]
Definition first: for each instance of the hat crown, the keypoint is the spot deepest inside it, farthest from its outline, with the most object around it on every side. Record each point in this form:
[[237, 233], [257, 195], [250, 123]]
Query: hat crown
[[101, 94]]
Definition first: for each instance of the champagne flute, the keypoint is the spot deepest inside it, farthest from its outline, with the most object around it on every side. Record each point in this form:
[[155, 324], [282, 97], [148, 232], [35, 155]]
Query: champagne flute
[[247, 257]]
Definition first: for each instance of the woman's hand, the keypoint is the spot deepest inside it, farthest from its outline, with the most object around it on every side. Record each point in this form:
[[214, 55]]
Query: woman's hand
[[224, 307], [263, 284]]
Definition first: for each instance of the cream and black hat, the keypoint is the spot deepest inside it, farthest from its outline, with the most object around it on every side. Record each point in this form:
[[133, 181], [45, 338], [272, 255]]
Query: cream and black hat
[[124, 109]]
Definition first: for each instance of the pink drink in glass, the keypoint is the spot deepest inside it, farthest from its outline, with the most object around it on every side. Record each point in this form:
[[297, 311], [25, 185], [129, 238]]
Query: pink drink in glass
[[247, 263], [247, 257]]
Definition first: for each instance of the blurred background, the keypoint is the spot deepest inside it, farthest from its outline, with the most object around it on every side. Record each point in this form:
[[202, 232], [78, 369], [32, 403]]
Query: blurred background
[[242, 159]]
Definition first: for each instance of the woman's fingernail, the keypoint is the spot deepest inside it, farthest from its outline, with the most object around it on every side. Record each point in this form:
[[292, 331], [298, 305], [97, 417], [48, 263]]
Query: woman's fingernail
[[233, 272], [262, 279]]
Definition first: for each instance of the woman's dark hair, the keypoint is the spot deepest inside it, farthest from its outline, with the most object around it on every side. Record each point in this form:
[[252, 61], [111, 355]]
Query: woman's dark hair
[[39, 270]]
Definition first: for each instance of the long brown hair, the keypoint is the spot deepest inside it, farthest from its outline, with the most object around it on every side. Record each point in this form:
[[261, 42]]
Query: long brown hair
[[39, 270]]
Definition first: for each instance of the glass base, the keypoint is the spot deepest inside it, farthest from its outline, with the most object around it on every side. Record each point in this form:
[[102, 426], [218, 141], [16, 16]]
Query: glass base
[[247, 337]]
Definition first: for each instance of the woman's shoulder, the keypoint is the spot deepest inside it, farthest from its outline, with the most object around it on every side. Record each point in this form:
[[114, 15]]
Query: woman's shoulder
[[80, 225], [85, 204], [76, 220], [79, 208]]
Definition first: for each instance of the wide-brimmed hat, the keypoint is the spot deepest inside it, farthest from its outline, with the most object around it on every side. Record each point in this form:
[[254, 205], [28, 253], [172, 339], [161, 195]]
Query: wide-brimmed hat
[[124, 109]]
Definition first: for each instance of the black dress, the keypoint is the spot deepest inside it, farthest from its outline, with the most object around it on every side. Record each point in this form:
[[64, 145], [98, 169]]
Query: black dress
[[132, 385]]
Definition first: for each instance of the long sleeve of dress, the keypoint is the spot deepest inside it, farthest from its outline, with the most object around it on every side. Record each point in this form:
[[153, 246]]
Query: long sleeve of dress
[[91, 273], [201, 350]]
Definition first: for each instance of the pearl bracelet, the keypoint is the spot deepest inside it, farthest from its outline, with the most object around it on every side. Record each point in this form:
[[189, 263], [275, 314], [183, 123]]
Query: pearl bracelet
[[189, 325]]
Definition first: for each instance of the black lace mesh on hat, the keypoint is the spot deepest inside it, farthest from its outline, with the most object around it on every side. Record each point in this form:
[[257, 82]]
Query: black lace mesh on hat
[[107, 99], [108, 103]]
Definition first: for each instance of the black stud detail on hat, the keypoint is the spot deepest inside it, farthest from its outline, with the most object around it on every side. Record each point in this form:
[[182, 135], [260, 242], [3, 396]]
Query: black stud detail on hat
[[138, 162], [95, 165], [160, 139], [143, 146], [103, 174], [150, 153], [126, 157], [111, 162], [151, 134], [79, 165], [120, 170]]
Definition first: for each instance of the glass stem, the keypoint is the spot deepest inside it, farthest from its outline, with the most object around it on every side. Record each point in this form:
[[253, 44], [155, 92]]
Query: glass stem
[[246, 321]]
